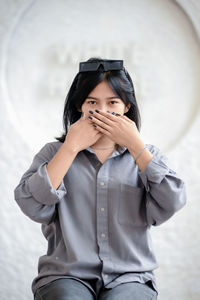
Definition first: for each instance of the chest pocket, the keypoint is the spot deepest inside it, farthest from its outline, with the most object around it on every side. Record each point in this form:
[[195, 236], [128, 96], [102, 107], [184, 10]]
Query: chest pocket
[[132, 206]]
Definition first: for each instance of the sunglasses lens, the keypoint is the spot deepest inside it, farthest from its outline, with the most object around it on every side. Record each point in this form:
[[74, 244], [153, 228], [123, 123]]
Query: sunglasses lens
[[113, 65], [107, 65], [88, 66]]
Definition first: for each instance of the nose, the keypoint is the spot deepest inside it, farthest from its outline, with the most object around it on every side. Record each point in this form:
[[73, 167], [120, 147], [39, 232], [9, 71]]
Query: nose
[[102, 107]]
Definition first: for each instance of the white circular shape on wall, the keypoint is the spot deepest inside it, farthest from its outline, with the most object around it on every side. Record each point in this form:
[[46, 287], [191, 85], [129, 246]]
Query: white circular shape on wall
[[155, 38]]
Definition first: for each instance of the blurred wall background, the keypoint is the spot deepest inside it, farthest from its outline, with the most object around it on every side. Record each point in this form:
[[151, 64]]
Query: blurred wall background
[[41, 44]]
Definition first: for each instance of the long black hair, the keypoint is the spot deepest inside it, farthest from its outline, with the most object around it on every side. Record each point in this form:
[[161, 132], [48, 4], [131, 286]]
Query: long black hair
[[83, 83]]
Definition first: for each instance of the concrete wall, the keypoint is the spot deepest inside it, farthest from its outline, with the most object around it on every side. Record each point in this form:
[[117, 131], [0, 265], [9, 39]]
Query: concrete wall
[[41, 44]]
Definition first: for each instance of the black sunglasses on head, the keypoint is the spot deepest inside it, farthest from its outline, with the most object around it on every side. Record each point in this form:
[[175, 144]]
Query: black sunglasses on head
[[107, 65]]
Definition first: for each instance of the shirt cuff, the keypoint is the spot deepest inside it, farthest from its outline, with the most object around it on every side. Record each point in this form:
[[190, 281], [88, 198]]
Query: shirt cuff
[[41, 188]]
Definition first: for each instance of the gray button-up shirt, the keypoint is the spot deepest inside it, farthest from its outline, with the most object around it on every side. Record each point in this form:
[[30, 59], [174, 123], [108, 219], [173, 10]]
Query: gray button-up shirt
[[97, 223]]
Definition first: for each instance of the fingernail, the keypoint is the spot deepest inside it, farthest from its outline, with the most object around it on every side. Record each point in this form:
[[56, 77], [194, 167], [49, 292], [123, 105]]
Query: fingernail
[[113, 113], [94, 125], [90, 117], [118, 115], [97, 110], [90, 111], [107, 111]]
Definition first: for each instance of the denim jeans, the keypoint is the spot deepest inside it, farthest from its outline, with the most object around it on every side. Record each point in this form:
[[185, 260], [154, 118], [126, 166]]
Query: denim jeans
[[70, 289]]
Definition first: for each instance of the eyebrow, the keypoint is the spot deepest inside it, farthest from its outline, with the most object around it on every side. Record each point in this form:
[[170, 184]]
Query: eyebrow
[[113, 97]]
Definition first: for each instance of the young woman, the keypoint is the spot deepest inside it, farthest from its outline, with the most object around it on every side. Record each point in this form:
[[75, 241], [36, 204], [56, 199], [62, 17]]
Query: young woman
[[97, 191]]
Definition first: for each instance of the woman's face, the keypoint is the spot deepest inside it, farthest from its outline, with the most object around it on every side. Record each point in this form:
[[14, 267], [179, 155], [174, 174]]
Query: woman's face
[[102, 97]]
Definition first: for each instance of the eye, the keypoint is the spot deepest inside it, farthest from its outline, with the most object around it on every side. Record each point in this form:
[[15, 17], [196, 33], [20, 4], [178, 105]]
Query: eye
[[114, 102], [91, 101]]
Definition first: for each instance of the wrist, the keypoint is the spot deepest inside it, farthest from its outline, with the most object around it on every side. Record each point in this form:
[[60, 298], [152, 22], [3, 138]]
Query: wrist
[[69, 148], [135, 148], [141, 155]]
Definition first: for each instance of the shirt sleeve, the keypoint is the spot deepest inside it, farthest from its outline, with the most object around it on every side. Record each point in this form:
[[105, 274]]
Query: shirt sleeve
[[35, 194], [165, 190]]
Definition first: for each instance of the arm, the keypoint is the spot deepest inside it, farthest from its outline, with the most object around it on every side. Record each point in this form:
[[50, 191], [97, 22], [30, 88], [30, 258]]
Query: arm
[[42, 187], [60, 163], [35, 194], [165, 191]]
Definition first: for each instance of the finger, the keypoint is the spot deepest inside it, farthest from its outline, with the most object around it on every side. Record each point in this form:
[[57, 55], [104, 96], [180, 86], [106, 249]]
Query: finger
[[102, 130], [127, 119], [123, 117], [100, 123], [113, 116], [104, 116]]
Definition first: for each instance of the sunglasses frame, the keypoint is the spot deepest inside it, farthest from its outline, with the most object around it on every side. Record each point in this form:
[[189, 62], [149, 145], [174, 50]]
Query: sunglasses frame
[[108, 65]]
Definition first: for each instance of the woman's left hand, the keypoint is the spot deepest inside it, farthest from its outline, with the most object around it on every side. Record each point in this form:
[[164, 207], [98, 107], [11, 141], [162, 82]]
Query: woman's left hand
[[118, 128]]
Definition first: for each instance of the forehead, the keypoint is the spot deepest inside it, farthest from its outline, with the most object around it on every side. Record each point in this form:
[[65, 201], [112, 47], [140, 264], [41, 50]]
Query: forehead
[[103, 88]]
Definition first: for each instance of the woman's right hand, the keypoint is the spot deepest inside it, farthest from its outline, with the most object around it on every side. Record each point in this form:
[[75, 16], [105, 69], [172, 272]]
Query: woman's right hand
[[81, 135]]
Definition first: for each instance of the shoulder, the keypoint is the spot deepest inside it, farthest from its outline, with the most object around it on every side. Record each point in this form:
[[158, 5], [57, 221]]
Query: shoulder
[[157, 153], [153, 149], [160, 158], [52, 146], [49, 149]]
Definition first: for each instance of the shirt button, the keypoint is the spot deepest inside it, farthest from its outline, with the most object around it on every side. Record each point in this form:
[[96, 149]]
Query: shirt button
[[103, 235], [102, 183], [102, 209]]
